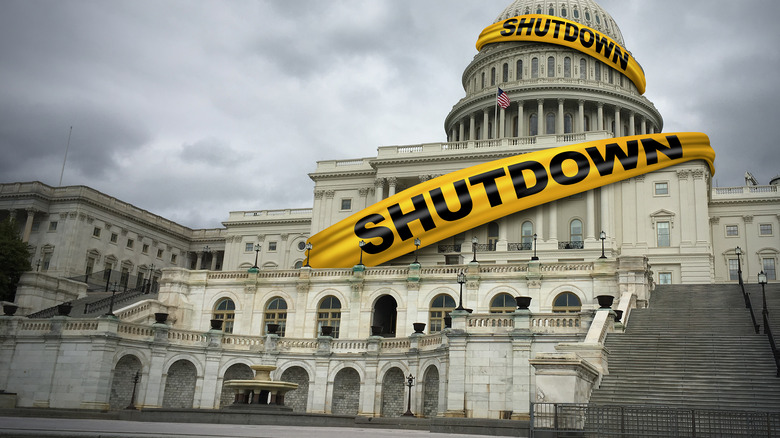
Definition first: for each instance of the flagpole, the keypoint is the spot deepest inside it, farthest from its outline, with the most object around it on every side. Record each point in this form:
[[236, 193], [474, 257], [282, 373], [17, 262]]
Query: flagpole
[[495, 117]]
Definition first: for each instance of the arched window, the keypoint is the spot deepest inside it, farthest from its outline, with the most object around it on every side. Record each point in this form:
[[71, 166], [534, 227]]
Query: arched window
[[493, 76], [587, 15], [276, 313], [533, 124], [563, 11], [441, 306], [483, 79], [567, 67], [539, 9], [598, 19], [567, 124], [534, 68], [527, 235], [583, 69], [566, 302], [551, 67], [492, 236], [552, 10], [519, 70], [298, 264], [598, 71], [549, 124], [575, 230], [225, 310], [576, 12], [503, 303], [329, 314], [505, 73], [611, 74]]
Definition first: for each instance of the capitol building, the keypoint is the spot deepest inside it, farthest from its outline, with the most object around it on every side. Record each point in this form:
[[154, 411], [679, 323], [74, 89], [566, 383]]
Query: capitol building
[[245, 295]]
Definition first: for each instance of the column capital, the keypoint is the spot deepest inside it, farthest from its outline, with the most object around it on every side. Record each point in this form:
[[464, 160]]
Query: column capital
[[379, 182], [581, 102], [540, 101], [561, 101]]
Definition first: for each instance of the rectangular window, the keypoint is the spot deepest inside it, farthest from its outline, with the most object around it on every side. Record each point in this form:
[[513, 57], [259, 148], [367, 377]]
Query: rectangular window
[[271, 246], [114, 237], [159, 253], [765, 230], [664, 278], [173, 258], [36, 226], [769, 268], [96, 232], [145, 248], [53, 226], [732, 230], [130, 243], [46, 261], [249, 247], [346, 204], [661, 189], [452, 259], [663, 234], [733, 269]]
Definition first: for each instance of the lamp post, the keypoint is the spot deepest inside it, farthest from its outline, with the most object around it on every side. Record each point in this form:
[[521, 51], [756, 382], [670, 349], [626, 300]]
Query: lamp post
[[534, 256], [150, 280], [603, 237], [461, 280], [474, 242], [308, 251], [762, 282], [135, 384], [409, 383], [738, 251], [361, 245], [416, 247], [111, 303], [255, 268]]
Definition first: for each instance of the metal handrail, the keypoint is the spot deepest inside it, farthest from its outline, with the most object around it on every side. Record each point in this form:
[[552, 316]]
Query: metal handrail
[[749, 305], [768, 332]]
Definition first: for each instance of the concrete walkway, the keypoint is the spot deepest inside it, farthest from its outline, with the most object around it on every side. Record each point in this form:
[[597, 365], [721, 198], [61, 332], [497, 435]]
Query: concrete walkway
[[58, 427]]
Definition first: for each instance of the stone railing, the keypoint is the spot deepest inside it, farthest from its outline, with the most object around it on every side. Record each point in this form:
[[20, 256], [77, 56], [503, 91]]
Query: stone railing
[[557, 323], [761, 191]]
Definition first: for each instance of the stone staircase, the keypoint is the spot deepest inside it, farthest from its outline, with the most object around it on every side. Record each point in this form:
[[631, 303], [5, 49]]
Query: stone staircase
[[693, 347]]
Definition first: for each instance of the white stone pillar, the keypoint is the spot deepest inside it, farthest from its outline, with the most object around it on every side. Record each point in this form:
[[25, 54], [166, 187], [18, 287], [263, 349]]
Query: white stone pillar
[[502, 123], [209, 399], [456, 379], [631, 121], [319, 402], [700, 201], [590, 219], [503, 241], [472, 127], [28, 225], [641, 220], [461, 130], [540, 116], [618, 129], [379, 188], [600, 117], [686, 219], [643, 126], [485, 125], [520, 118], [539, 223], [581, 116], [199, 259], [553, 220], [604, 201], [214, 255], [559, 122], [391, 183]]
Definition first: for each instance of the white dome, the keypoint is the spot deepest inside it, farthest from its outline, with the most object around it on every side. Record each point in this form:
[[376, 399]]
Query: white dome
[[586, 12]]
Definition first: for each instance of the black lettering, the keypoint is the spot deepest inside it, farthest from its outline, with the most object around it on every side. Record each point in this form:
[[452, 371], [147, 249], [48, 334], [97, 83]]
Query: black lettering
[[556, 167], [557, 27], [402, 220], [605, 43], [386, 234], [518, 180], [488, 179], [606, 164], [571, 33], [440, 204], [510, 27], [529, 26], [620, 57], [588, 43], [674, 151], [538, 30]]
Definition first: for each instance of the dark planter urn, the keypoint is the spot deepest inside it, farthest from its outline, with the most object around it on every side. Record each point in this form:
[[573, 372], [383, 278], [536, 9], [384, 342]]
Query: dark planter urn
[[326, 330], [376, 330], [64, 309], [605, 301], [160, 318], [419, 327], [216, 324], [448, 321], [618, 315], [272, 329], [10, 309], [523, 302]]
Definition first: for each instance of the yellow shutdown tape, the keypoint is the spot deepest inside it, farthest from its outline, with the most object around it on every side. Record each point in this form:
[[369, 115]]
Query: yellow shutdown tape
[[556, 30], [451, 204]]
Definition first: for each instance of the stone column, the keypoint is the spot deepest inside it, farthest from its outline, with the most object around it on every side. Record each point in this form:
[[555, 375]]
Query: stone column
[[631, 121], [540, 117], [539, 223], [520, 118], [485, 125], [686, 221], [472, 127], [502, 123], [456, 381], [461, 130], [28, 225], [379, 187], [604, 201], [214, 255], [581, 115], [367, 405], [209, 399], [553, 221], [391, 183], [502, 243], [643, 126], [320, 403], [600, 117], [590, 219], [618, 128], [559, 129], [641, 220], [199, 259]]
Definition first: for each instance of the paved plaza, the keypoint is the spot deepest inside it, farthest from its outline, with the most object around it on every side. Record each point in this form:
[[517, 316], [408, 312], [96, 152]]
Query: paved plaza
[[57, 427]]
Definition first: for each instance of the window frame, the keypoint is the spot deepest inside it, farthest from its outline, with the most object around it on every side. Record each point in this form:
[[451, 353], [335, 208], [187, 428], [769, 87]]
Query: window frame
[[331, 319], [727, 229], [663, 191], [96, 232], [436, 314], [347, 202], [278, 315], [506, 308], [662, 275], [567, 308], [771, 230], [227, 315], [668, 226]]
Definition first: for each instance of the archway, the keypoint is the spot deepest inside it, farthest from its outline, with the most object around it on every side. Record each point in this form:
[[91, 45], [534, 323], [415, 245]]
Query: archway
[[385, 315], [180, 385], [431, 392], [346, 392], [393, 393], [237, 371], [123, 381], [297, 399]]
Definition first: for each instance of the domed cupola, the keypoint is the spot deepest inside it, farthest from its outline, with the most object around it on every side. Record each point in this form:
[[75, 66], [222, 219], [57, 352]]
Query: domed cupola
[[556, 92]]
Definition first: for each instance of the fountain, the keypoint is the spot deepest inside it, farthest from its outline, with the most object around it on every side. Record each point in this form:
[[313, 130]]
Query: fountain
[[260, 392]]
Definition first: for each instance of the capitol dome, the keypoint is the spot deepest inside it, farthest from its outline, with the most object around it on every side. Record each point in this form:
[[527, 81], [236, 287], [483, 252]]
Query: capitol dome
[[558, 94], [585, 12]]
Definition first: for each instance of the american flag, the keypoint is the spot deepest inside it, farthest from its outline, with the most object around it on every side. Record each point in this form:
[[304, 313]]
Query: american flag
[[503, 99]]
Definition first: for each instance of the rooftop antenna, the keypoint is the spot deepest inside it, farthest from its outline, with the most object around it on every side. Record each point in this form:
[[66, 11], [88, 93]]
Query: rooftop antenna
[[66, 157], [750, 180]]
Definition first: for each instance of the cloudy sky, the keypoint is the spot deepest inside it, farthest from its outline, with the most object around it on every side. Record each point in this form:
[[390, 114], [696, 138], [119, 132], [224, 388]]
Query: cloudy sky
[[192, 109]]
